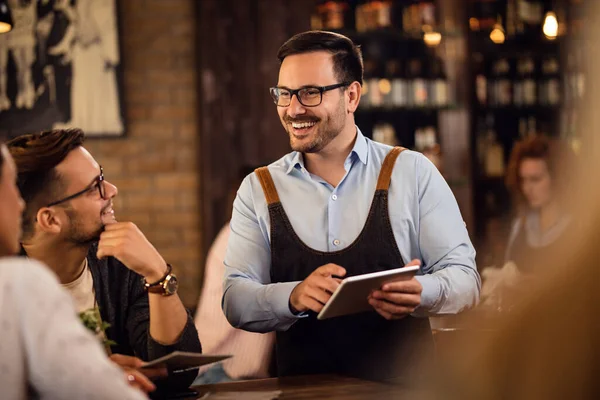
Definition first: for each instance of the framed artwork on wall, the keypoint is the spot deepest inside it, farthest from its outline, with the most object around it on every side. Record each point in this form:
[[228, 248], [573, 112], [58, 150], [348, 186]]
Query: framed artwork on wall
[[60, 67]]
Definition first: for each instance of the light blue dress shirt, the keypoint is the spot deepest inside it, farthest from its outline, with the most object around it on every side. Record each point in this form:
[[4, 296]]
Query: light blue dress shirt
[[424, 214]]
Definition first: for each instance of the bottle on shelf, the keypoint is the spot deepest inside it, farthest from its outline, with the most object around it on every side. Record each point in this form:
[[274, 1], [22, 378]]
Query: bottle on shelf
[[399, 94], [511, 18], [494, 152], [501, 88], [417, 84], [549, 88], [373, 14], [371, 87], [438, 84], [331, 14], [525, 93], [418, 17], [425, 138], [484, 14], [481, 80], [385, 133], [530, 15], [574, 79]]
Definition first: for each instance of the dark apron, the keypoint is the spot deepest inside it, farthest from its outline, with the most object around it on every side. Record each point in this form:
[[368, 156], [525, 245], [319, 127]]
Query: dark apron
[[363, 345]]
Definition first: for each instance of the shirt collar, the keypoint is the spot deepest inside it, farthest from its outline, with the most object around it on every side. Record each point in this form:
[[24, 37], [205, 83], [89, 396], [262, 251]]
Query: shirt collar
[[360, 149]]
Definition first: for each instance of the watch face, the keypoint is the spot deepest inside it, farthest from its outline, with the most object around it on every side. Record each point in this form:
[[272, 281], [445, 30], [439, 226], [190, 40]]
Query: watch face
[[172, 285]]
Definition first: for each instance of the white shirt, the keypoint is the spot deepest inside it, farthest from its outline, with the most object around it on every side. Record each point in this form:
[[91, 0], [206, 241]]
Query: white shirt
[[82, 290], [43, 345]]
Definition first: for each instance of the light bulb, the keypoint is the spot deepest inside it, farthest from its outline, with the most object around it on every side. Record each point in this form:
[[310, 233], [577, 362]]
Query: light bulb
[[550, 27], [432, 39], [497, 34]]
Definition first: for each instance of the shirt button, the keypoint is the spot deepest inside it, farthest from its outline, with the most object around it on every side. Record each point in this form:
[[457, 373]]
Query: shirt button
[[334, 197], [336, 242]]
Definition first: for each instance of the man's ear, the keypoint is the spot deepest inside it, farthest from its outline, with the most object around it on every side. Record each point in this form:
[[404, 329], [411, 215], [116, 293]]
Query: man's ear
[[353, 91], [48, 220]]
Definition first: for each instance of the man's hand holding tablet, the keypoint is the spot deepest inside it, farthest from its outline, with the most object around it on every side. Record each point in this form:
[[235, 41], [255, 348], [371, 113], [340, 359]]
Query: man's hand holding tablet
[[397, 299], [313, 292]]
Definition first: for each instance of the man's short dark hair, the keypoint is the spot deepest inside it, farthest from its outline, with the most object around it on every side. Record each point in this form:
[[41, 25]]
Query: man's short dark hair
[[347, 57], [36, 156]]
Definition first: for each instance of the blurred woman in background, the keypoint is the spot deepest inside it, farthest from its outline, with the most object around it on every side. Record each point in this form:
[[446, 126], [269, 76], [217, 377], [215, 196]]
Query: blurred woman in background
[[536, 178], [548, 347]]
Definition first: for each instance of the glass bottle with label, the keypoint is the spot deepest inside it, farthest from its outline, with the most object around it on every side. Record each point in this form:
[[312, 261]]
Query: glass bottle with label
[[549, 90], [484, 14], [333, 13], [417, 84], [374, 93], [494, 155], [438, 84], [481, 80], [399, 94], [501, 93], [530, 15]]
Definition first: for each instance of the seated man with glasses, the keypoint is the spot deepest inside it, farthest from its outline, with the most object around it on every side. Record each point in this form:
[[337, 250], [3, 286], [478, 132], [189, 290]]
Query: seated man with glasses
[[69, 224]]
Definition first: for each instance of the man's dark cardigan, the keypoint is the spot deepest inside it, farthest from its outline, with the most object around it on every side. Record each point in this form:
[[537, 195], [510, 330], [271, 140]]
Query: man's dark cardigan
[[123, 303]]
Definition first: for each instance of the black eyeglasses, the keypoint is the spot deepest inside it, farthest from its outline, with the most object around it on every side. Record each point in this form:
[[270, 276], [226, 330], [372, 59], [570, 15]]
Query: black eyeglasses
[[308, 96], [98, 183]]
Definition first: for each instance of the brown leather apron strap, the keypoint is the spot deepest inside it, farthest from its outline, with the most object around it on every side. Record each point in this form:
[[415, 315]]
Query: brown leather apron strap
[[385, 175], [268, 186]]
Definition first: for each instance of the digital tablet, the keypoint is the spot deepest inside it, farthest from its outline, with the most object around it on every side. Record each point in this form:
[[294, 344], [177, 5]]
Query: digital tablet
[[181, 360], [351, 296]]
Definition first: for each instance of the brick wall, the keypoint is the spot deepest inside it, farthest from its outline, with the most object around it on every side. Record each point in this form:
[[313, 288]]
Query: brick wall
[[155, 166]]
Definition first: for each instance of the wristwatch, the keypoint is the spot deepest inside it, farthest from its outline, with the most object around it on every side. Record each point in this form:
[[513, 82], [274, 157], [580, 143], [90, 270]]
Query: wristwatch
[[166, 286]]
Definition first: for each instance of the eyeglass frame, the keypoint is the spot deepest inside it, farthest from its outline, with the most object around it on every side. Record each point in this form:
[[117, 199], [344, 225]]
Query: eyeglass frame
[[97, 183], [321, 89]]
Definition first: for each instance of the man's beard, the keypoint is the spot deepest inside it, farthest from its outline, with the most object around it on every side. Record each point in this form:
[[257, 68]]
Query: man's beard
[[325, 133], [77, 235]]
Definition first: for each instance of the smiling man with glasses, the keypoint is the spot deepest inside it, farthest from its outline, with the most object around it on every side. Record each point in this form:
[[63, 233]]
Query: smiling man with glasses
[[340, 205], [69, 224]]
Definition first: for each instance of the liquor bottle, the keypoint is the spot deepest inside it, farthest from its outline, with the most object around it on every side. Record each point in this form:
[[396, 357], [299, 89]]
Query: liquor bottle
[[494, 152], [518, 84], [369, 70], [399, 95], [417, 84], [425, 138], [501, 87], [374, 92], [574, 82], [438, 84], [511, 18], [428, 17], [481, 80], [385, 133], [383, 13], [549, 90], [484, 15], [530, 15], [333, 13], [419, 16], [528, 82]]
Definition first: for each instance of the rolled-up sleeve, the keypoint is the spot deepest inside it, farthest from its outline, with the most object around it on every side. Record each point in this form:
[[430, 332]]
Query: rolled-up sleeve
[[250, 300], [450, 281]]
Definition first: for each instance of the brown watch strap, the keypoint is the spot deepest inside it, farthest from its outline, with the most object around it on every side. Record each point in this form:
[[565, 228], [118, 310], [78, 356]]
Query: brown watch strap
[[161, 280]]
